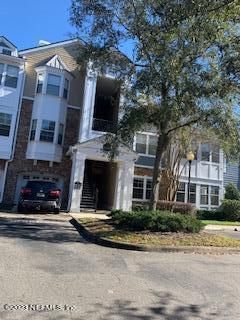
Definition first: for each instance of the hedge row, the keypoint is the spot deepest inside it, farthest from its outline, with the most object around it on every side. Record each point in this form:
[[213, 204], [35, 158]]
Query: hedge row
[[156, 221], [162, 205], [228, 211]]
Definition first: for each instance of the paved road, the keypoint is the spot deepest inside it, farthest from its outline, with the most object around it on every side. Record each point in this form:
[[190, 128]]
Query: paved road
[[46, 262], [229, 233]]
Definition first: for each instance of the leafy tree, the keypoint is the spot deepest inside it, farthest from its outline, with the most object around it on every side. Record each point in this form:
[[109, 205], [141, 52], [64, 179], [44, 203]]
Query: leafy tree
[[232, 192], [185, 63], [185, 140]]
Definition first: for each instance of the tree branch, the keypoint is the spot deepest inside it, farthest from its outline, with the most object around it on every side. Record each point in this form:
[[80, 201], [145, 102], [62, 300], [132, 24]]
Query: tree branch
[[186, 124]]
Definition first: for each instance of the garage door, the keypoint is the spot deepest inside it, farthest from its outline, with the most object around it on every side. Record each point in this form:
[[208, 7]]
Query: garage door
[[23, 179]]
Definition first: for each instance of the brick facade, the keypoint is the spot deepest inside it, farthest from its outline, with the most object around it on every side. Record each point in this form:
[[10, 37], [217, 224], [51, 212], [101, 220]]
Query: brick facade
[[138, 171], [22, 165], [2, 164]]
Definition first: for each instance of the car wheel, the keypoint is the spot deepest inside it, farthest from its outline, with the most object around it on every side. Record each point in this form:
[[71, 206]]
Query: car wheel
[[56, 211]]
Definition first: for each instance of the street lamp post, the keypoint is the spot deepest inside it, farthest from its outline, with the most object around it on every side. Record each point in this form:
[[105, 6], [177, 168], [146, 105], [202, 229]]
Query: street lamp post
[[190, 158]]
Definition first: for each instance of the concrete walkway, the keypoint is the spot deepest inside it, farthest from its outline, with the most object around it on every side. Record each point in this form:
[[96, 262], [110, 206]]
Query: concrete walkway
[[94, 215]]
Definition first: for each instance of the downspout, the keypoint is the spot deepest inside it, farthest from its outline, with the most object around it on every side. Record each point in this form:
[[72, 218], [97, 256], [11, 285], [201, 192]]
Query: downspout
[[14, 135]]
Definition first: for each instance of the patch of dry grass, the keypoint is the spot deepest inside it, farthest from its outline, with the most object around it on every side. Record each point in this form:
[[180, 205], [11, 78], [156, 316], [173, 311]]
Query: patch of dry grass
[[106, 229]]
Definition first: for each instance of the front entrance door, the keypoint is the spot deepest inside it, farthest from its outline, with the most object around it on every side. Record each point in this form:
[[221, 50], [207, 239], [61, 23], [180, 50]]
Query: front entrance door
[[98, 185]]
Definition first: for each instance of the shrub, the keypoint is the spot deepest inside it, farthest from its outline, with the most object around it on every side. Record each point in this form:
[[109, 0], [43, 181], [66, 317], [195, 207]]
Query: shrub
[[232, 192], [230, 210], [140, 206], [178, 207], [210, 215], [161, 221]]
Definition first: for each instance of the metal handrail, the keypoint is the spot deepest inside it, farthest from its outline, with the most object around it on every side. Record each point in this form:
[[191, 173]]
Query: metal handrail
[[104, 125]]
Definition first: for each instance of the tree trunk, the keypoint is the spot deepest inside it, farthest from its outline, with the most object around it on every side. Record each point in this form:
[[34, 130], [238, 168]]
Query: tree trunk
[[163, 141]]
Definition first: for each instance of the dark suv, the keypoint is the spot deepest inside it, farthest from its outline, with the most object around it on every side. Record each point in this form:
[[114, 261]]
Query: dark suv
[[39, 195]]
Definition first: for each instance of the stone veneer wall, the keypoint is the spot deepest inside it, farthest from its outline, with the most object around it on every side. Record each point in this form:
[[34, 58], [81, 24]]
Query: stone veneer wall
[[22, 165]]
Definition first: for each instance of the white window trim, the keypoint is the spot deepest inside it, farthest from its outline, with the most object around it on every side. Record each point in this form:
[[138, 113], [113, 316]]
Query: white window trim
[[4, 74], [145, 178], [60, 85], [63, 74], [148, 134], [186, 192], [209, 197], [10, 126], [210, 155], [54, 132]]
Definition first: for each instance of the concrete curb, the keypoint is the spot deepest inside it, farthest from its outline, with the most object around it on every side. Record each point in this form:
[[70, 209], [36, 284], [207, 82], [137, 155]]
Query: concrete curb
[[87, 235]]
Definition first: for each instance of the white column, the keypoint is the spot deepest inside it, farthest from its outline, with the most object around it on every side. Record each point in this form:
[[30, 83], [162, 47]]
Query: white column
[[127, 185], [198, 188], [76, 183], [118, 186], [88, 104]]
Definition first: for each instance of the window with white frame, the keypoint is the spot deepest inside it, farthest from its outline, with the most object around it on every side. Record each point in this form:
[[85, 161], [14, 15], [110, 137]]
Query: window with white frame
[[210, 153], [215, 153], [66, 88], [142, 188], [152, 145], [33, 129], [11, 79], [141, 143], [8, 52], [40, 79], [214, 195], [138, 188], [180, 197], [148, 188], [53, 84], [192, 193], [146, 144], [47, 131], [204, 192], [1, 72], [205, 152], [182, 193], [5, 124], [60, 133]]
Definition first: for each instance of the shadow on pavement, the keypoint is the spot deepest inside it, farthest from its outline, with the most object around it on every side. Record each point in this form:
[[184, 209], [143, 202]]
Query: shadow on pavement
[[40, 231], [165, 306]]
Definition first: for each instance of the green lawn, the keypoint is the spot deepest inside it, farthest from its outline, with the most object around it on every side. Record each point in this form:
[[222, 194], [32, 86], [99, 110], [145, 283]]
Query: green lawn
[[221, 223], [107, 230]]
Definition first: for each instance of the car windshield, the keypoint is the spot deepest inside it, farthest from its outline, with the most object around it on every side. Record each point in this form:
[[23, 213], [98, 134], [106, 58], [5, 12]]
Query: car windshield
[[46, 185]]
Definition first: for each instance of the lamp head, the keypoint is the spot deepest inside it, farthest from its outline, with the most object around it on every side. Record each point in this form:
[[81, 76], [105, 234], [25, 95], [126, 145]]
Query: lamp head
[[190, 156]]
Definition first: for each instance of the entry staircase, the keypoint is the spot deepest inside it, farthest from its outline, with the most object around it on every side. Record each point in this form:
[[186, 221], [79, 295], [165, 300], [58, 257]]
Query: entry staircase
[[88, 195]]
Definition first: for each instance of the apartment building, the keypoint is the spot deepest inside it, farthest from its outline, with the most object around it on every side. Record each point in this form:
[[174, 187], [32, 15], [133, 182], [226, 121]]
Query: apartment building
[[11, 86], [208, 170], [53, 119]]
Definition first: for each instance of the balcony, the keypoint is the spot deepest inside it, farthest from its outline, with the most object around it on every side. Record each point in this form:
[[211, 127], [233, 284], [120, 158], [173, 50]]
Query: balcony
[[104, 125]]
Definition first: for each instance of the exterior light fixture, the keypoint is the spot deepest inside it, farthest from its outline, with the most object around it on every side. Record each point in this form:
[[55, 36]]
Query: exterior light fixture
[[190, 158]]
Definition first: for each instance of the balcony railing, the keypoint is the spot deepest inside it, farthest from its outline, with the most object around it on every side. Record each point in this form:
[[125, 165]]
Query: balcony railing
[[104, 125]]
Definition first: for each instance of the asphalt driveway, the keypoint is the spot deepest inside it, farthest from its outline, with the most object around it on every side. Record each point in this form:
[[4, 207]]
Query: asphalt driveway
[[46, 265]]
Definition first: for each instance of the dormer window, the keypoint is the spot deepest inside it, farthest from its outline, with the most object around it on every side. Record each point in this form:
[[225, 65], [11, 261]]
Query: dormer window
[[7, 48], [7, 52], [40, 83], [53, 84]]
